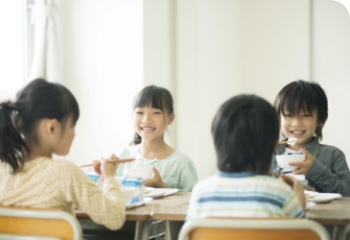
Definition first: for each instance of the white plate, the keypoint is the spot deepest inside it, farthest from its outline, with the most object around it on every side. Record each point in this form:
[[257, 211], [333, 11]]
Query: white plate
[[148, 189], [309, 205], [145, 200], [161, 192], [325, 197], [310, 194]]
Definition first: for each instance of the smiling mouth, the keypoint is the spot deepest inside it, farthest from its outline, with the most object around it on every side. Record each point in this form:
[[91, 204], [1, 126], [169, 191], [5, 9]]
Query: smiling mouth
[[297, 132], [147, 129]]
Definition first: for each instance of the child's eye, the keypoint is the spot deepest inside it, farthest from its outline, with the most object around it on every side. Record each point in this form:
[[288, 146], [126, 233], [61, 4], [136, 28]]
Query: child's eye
[[307, 115], [288, 115], [138, 112], [157, 112]]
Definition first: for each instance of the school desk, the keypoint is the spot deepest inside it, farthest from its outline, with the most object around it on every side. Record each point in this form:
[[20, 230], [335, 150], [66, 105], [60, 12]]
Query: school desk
[[173, 209]]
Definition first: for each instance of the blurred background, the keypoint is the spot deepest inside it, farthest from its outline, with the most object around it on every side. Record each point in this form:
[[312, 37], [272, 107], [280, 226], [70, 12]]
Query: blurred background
[[203, 51]]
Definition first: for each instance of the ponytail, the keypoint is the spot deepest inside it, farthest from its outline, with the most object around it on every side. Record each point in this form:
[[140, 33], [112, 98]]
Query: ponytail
[[19, 120], [137, 140], [13, 148]]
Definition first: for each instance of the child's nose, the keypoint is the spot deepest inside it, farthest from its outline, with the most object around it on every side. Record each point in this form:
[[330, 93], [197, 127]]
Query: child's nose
[[146, 118], [296, 121]]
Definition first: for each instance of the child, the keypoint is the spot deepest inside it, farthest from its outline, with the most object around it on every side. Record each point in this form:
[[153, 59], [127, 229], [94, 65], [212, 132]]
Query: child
[[302, 109], [38, 124], [153, 112], [245, 132]]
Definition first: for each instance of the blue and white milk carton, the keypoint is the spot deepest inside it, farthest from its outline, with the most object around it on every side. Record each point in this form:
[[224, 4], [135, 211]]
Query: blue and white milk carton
[[92, 175], [139, 185]]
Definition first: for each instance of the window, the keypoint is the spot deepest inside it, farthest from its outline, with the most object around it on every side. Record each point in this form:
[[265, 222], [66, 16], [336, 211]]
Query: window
[[12, 57]]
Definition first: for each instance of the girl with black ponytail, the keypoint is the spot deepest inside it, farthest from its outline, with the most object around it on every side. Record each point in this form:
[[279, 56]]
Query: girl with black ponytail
[[37, 125]]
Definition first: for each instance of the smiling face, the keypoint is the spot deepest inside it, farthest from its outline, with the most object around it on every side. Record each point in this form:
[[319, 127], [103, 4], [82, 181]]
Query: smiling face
[[302, 127], [151, 123]]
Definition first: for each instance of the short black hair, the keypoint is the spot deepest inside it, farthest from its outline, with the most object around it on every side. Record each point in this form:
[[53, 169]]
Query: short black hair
[[245, 131], [306, 96]]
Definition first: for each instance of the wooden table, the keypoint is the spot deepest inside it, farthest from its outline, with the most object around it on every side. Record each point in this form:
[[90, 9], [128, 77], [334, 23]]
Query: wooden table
[[174, 208], [336, 212]]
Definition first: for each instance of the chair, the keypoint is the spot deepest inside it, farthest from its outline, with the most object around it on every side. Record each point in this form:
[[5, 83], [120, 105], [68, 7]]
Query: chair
[[249, 229], [18, 223]]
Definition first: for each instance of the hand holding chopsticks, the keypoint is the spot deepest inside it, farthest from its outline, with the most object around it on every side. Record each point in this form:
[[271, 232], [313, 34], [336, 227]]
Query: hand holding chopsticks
[[107, 167], [116, 161]]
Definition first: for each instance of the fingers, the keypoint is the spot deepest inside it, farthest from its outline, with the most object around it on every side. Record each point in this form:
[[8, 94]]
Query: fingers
[[298, 164], [155, 171], [306, 153], [113, 157], [97, 169], [299, 171]]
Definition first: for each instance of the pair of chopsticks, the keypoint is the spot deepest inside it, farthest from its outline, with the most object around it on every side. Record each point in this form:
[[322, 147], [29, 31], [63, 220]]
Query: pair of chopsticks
[[97, 162], [284, 142], [305, 186]]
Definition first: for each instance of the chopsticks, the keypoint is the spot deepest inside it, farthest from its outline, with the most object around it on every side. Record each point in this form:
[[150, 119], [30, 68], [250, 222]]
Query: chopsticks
[[97, 162], [305, 186], [284, 142]]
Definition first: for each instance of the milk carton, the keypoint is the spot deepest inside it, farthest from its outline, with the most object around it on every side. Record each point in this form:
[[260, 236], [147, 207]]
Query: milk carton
[[92, 175], [139, 185]]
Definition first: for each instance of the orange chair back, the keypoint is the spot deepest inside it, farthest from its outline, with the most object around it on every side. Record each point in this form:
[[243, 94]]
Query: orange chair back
[[251, 234], [28, 226]]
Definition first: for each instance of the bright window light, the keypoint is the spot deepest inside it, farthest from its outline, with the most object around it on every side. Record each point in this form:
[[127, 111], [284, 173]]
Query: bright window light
[[11, 48]]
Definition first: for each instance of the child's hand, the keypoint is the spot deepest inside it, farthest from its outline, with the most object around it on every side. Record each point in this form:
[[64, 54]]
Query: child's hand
[[297, 188], [156, 181], [106, 169], [304, 167]]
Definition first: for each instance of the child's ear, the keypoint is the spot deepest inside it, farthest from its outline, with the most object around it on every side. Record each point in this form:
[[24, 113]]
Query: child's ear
[[171, 118], [51, 126]]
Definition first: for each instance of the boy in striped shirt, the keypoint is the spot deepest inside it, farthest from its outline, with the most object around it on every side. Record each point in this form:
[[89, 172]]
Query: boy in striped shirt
[[245, 132]]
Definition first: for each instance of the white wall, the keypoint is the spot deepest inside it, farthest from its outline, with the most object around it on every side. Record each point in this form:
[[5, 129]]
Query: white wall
[[233, 47], [159, 41], [203, 51], [332, 69], [103, 62]]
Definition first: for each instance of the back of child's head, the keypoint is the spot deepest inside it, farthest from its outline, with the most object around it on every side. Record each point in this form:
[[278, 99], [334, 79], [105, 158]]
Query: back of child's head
[[155, 97], [245, 131], [304, 96], [19, 119]]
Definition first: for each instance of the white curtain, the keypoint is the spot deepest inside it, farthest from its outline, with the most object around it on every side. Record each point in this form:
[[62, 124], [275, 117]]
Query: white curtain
[[47, 61]]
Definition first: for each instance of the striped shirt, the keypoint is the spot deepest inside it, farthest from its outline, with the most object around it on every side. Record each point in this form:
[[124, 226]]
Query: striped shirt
[[243, 194]]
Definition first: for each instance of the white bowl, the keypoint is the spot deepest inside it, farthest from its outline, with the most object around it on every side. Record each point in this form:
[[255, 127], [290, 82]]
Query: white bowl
[[119, 180], [284, 160], [145, 173], [128, 193]]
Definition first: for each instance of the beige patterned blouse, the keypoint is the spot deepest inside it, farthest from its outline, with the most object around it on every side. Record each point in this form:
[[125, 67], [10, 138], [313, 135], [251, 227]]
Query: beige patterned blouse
[[45, 183]]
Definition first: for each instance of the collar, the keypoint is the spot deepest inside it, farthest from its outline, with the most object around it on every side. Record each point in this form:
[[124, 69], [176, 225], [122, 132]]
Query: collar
[[236, 174]]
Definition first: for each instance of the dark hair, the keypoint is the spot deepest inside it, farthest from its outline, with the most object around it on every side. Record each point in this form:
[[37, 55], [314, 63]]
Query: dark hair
[[18, 120], [305, 96], [155, 97], [245, 131]]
